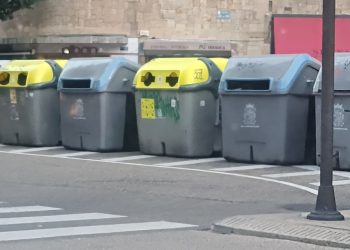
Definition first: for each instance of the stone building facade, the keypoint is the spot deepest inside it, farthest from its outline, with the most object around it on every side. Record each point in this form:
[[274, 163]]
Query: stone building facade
[[244, 22]]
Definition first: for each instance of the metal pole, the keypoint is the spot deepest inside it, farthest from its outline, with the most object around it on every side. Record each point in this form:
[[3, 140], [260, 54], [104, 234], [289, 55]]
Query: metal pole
[[325, 205]]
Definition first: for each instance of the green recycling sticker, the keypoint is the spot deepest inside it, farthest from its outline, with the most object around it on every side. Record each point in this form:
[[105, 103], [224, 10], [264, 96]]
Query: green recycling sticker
[[162, 106]]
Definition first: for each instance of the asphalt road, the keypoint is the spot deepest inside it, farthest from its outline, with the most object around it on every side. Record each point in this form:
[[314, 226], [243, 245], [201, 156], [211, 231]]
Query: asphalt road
[[78, 200]]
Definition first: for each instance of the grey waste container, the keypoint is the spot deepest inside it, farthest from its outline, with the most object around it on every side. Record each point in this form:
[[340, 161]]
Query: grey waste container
[[341, 116], [29, 103], [177, 106], [97, 104], [266, 111]]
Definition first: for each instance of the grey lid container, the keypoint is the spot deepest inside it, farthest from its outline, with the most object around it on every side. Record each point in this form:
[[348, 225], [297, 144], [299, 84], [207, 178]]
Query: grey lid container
[[97, 104], [341, 118], [271, 74], [341, 74], [97, 75], [267, 109]]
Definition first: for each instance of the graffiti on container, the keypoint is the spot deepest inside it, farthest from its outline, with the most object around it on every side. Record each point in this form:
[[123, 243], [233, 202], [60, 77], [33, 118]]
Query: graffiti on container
[[248, 66], [339, 117], [346, 64], [249, 116], [156, 106]]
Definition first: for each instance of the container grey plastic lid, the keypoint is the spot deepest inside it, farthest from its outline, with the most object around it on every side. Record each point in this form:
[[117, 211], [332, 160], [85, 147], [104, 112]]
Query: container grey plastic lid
[[85, 68], [280, 70], [341, 74], [262, 67], [96, 73]]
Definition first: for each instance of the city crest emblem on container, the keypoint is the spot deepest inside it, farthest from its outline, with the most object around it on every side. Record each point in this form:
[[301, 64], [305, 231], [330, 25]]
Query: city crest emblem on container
[[339, 117], [77, 111], [249, 116]]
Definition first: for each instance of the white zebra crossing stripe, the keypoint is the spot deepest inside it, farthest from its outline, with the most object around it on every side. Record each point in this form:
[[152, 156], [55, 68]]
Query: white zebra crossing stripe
[[317, 168], [74, 154], [190, 162], [90, 230], [128, 158], [243, 168], [293, 174], [335, 183], [308, 167], [342, 174], [57, 218], [25, 209], [28, 150]]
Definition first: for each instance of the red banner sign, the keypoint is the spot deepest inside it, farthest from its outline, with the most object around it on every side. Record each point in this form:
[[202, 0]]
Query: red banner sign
[[303, 34]]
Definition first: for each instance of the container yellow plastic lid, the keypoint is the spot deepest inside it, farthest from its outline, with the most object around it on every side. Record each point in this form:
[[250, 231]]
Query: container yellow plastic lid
[[220, 63], [61, 63], [22, 73], [172, 73]]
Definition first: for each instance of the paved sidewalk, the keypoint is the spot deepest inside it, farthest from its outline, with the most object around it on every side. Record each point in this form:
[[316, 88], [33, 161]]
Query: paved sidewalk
[[290, 227]]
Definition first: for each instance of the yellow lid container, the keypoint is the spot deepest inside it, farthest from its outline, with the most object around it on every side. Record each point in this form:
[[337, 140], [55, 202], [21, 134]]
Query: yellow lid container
[[24, 73], [174, 73]]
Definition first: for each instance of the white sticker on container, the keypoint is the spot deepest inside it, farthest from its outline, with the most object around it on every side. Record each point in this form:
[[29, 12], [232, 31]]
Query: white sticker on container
[[159, 79], [13, 80], [173, 103], [13, 96], [202, 103], [159, 113], [31, 93]]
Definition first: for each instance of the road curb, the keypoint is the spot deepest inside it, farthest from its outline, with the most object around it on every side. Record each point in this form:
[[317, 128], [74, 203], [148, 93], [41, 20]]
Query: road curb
[[288, 227]]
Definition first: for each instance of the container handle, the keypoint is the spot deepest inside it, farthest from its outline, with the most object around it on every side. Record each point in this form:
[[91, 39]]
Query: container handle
[[125, 81], [218, 112]]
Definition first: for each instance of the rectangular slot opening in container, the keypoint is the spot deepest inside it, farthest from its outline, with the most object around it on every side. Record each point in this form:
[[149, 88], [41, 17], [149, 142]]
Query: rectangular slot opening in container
[[253, 84], [76, 83]]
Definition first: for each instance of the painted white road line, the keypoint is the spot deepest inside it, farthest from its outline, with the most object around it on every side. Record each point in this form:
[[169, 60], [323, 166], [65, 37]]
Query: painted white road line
[[308, 167], [292, 174], [127, 158], [90, 230], [341, 182], [74, 154], [57, 218], [27, 209], [28, 150], [335, 183], [127, 164], [190, 162], [342, 174], [242, 168], [317, 168]]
